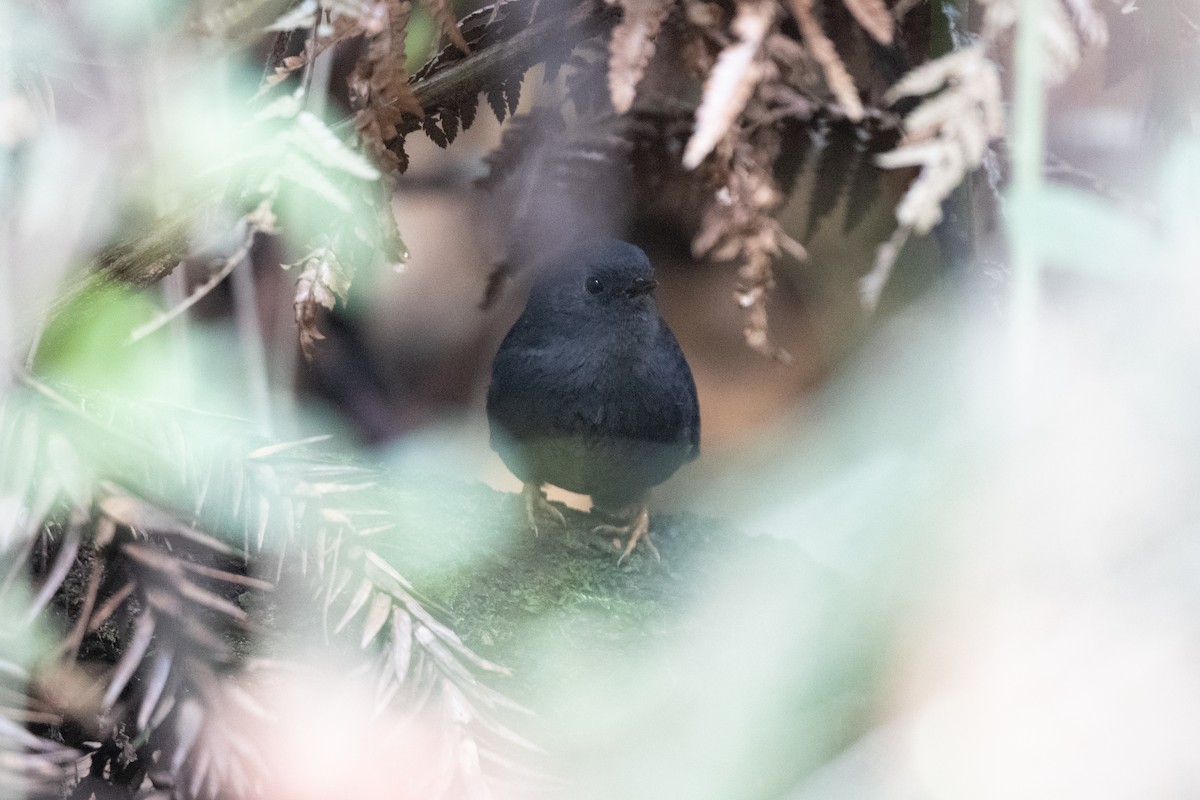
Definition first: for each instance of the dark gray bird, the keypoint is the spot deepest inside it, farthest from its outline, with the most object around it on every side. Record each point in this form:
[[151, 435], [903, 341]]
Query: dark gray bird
[[590, 391]]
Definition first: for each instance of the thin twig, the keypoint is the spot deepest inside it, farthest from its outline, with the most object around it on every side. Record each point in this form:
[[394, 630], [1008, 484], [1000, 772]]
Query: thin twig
[[214, 280], [278, 51], [35, 342], [175, 292], [1028, 156], [870, 286], [310, 56]]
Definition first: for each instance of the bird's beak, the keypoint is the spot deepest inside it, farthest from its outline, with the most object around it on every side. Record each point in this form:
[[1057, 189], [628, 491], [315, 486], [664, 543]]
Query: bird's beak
[[641, 286]]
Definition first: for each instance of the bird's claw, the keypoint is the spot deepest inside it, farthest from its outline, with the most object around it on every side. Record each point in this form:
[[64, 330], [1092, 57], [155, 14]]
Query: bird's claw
[[538, 507], [638, 530]]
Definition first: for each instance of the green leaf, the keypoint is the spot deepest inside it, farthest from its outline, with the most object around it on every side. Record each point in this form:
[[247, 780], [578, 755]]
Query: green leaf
[[284, 107], [1078, 231], [304, 174], [316, 140], [1178, 188]]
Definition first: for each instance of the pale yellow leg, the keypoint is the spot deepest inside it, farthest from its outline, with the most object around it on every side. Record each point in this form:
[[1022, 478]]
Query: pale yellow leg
[[538, 507], [637, 529]]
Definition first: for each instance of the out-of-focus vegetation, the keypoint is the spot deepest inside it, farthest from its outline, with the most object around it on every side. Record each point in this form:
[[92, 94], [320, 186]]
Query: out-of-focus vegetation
[[963, 565]]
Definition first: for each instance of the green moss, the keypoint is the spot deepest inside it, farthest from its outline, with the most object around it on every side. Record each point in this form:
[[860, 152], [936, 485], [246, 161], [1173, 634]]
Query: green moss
[[514, 597]]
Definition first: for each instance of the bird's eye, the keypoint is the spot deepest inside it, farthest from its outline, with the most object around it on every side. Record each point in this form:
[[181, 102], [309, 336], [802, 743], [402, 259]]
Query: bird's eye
[[594, 286]]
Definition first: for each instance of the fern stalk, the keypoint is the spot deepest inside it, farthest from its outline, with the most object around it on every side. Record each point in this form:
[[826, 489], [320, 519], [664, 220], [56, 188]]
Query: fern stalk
[[7, 323], [250, 341], [1028, 153], [7, 327]]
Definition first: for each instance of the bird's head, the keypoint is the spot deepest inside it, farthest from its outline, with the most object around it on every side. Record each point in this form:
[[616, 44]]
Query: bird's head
[[606, 278]]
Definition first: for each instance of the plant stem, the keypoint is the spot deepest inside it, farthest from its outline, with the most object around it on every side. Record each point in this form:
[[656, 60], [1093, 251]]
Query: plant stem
[[472, 74], [1028, 153], [174, 289], [250, 341], [956, 232]]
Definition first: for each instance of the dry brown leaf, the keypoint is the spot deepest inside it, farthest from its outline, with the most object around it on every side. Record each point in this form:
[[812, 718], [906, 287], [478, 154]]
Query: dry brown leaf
[[1065, 26], [756, 279], [739, 224], [875, 18], [837, 77], [443, 12], [379, 90], [342, 27], [731, 82], [870, 286], [946, 136], [632, 47], [322, 281]]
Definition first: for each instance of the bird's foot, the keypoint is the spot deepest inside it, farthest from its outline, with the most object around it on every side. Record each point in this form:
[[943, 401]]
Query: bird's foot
[[537, 507], [637, 530]]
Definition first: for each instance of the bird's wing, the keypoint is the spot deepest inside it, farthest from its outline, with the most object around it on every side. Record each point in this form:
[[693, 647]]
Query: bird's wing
[[682, 391], [654, 401]]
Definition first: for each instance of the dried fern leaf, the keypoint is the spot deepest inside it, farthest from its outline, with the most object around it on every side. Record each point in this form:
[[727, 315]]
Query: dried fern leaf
[[377, 617], [837, 76], [302, 15], [58, 571], [357, 603], [346, 24], [379, 89], [731, 82], [143, 632], [1065, 25], [951, 130], [155, 683], [402, 642], [322, 281], [313, 138], [946, 136], [874, 17], [443, 14], [632, 47], [870, 286]]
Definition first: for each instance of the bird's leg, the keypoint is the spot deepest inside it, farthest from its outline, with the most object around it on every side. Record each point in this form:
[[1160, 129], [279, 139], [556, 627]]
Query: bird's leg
[[537, 506], [636, 527]]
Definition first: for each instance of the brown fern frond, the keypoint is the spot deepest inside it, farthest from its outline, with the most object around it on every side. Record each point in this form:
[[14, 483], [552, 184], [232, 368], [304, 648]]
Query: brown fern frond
[[379, 89], [874, 18], [632, 47], [946, 136], [731, 82], [322, 280], [173, 598], [443, 14], [32, 766], [738, 224], [345, 21], [837, 76], [1066, 26]]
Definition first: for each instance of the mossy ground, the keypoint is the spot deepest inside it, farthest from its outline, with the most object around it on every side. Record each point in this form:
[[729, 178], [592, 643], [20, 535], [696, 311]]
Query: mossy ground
[[512, 595]]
